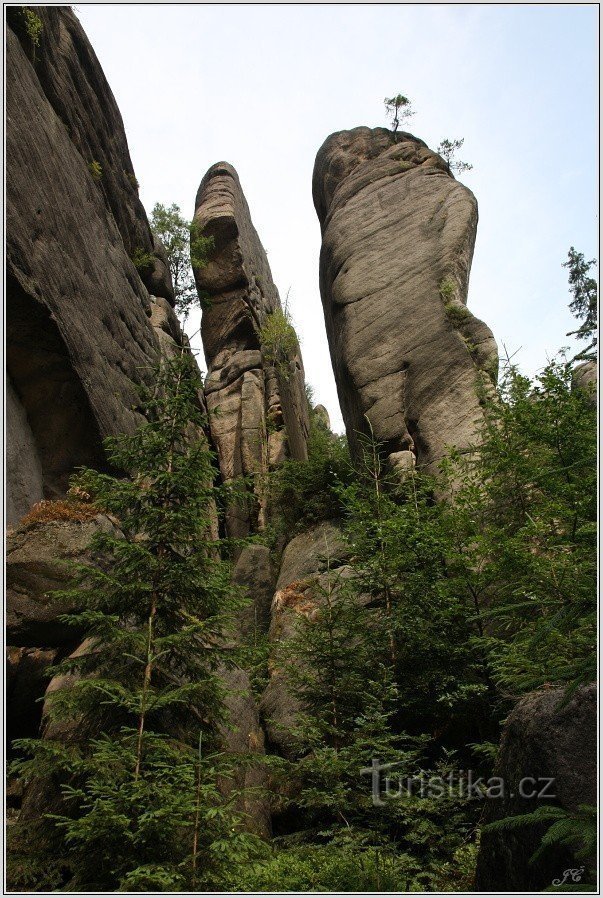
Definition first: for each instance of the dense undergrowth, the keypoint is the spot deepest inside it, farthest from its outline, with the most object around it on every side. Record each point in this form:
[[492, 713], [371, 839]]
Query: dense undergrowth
[[445, 613]]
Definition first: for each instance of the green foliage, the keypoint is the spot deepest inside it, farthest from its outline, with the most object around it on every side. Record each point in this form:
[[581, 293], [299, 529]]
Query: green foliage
[[132, 179], [399, 109], [447, 288], [96, 170], [576, 831], [585, 302], [522, 530], [400, 542], [348, 867], [186, 249], [456, 313], [142, 260], [338, 666], [33, 25], [140, 806], [306, 493], [279, 341], [448, 150]]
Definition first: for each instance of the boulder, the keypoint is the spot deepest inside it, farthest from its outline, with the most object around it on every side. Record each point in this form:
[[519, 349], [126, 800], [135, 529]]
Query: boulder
[[544, 738], [248, 398], [37, 564], [398, 233], [254, 573], [585, 376], [322, 415]]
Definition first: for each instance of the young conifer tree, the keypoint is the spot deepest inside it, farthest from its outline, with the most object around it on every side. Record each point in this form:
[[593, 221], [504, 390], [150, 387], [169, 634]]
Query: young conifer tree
[[522, 529], [337, 665], [400, 544], [138, 769]]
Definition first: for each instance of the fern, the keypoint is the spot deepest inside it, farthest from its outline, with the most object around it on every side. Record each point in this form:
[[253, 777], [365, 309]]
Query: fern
[[576, 831]]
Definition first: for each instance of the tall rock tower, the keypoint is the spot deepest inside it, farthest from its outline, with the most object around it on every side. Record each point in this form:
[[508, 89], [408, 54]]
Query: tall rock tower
[[398, 233], [258, 411]]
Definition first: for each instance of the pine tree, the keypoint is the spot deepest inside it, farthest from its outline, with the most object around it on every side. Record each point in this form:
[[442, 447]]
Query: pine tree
[[585, 303], [400, 541], [141, 808], [338, 668], [523, 529]]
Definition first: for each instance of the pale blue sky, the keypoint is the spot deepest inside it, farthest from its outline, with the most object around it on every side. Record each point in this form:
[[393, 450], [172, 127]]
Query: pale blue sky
[[263, 86]]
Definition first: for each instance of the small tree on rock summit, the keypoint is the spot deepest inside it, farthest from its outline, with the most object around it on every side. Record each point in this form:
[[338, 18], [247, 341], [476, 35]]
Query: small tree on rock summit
[[399, 109]]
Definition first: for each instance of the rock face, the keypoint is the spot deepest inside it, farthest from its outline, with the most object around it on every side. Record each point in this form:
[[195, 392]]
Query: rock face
[[80, 334], [258, 411], [308, 560], [542, 738], [36, 566], [398, 233], [37, 557], [84, 328], [585, 377], [73, 82]]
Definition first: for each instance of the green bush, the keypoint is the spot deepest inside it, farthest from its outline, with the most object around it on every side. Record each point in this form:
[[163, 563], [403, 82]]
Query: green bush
[[279, 340], [456, 313], [33, 25], [346, 868], [142, 260], [132, 179], [306, 492], [447, 288]]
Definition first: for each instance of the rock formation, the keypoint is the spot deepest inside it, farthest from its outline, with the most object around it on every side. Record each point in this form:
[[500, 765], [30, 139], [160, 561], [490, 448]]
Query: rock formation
[[307, 561], [79, 331], [258, 411], [398, 233], [544, 738], [83, 330], [585, 377]]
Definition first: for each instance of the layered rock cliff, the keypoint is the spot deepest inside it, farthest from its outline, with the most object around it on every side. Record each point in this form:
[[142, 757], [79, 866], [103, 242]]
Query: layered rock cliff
[[83, 331], [398, 233], [82, 328], [258, 411]]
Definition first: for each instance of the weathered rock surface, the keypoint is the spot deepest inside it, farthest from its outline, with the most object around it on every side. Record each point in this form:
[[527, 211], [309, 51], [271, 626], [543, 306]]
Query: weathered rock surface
[[310, 561], [73, 82], [249, 401], [244, 736], [26, 680], [398, 233], [253, 571], [37, 559], [585, 377], [80, 335], [23, 466], [542, 738]]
